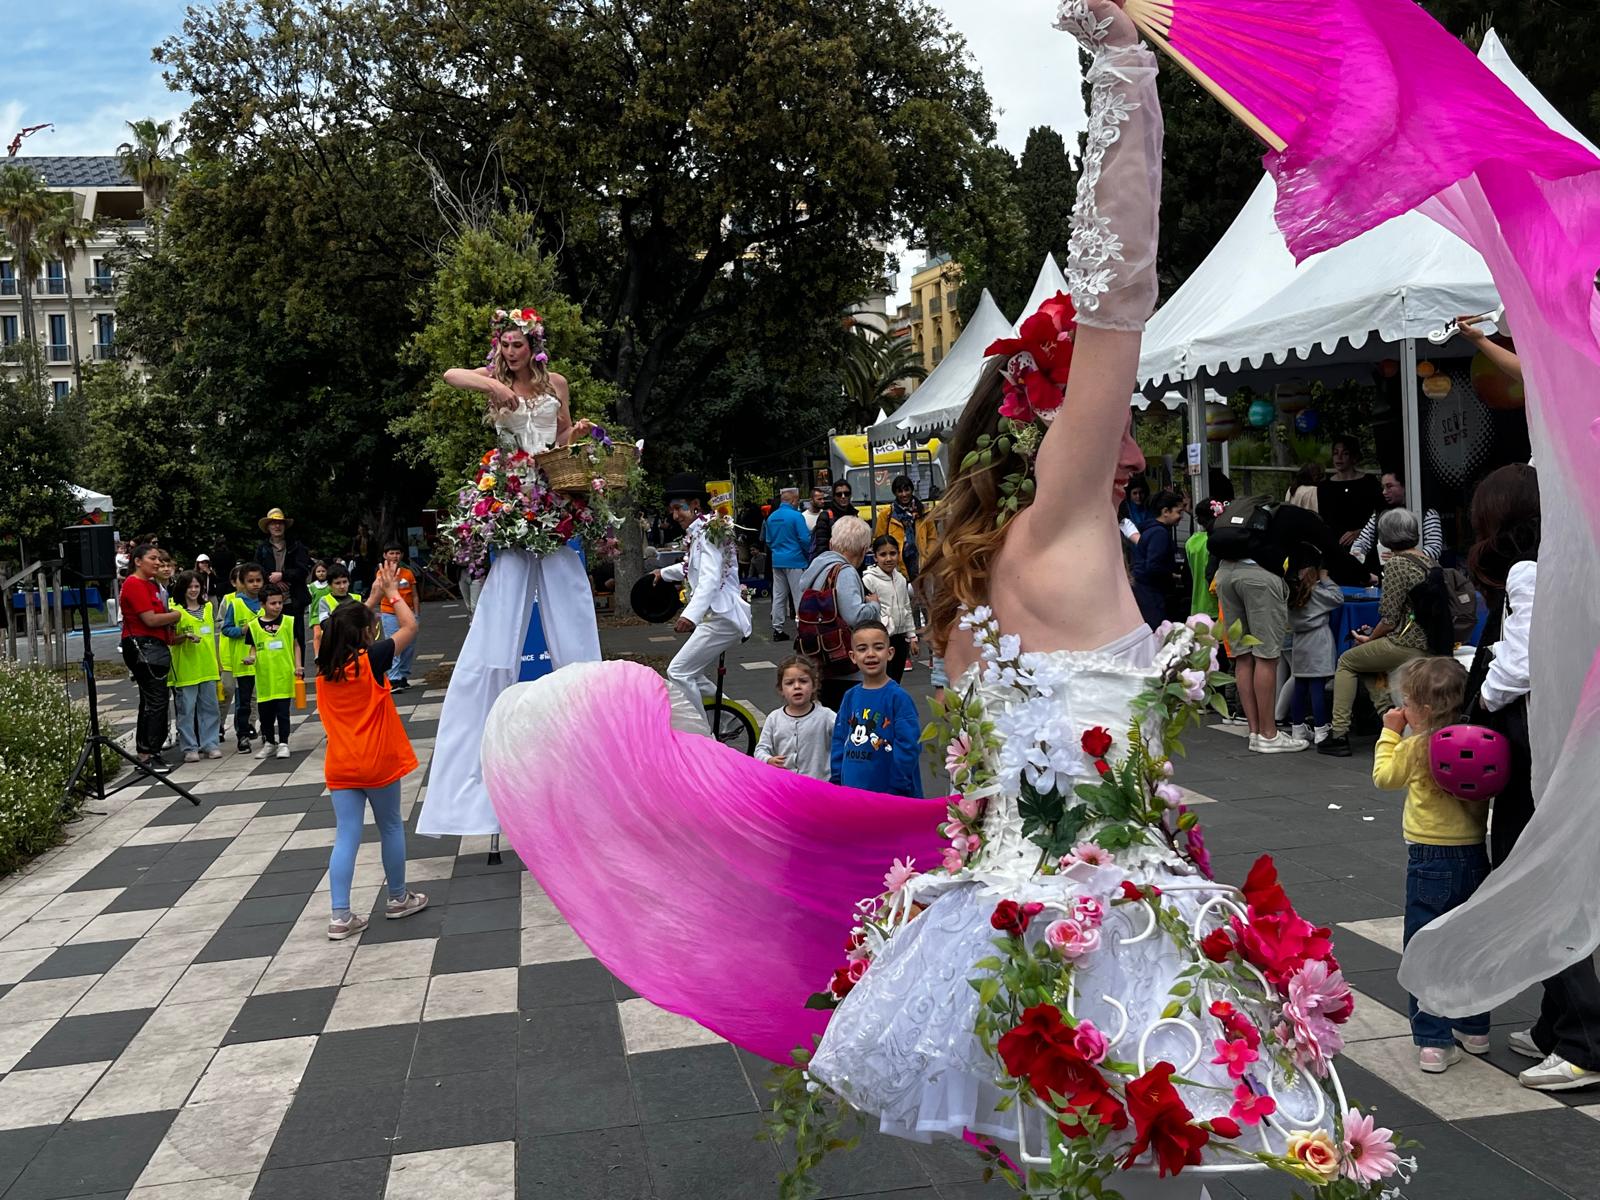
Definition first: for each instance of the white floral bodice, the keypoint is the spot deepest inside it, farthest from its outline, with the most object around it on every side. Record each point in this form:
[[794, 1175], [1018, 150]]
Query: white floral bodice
[[531, 425], [1039, 730]]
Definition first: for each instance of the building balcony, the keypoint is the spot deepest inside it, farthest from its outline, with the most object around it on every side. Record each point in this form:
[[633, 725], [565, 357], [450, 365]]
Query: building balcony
[[8, 287], [51, 287], [10, 354], [100, 285], [916, 312], [104, 351], [58, 354], [935, 307]]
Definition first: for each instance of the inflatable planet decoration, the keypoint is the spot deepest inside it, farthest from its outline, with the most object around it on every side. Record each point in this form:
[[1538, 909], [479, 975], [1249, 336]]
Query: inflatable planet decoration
[[1389, 368], [1307, 421], [1497, 390], [1221, 424], [1293, 397], [1436, 387], [1262, 412], [1426, 370]]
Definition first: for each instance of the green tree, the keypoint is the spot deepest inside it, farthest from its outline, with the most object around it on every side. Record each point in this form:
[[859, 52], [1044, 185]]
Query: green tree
[[495, 263], [151, 160], [690, 164], [873, 366], [39, 454], [1047, 183], [987, 233], [64, 234], [25, 205], [172, 488]]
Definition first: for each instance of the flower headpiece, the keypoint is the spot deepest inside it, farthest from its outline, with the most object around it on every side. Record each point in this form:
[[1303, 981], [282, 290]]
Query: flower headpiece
[[527, 320], [1039, 360]]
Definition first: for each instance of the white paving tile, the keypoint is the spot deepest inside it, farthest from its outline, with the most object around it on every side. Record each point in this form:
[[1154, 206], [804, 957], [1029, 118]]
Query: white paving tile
[[1469, 1089], [551, 943], [15, 964], [646, 1027], [236, 977], [271, 1068], [486, 1172], [44, 999], [19, 1037], [45, 1097], [113, 927], [471, 994], [1388, 932]]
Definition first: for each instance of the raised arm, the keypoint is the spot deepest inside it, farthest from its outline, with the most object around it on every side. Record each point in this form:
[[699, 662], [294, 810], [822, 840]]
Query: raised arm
[[479, 379]]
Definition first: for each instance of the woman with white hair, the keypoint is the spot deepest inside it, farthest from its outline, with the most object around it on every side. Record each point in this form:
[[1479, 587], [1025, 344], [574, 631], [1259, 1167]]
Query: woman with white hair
[[1394, 641], [839, 567]]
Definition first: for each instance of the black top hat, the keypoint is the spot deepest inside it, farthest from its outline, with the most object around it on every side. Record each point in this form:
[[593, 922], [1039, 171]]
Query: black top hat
[[686, 487], [653, 600]]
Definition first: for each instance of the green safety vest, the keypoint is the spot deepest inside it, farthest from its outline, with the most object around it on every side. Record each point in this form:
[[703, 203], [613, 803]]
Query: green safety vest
[[233, 648], [325, 606], [194, 662], [318, 591], [274, 660]]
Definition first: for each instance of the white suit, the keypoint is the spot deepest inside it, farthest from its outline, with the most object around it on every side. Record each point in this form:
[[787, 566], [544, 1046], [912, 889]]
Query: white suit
[[717, 606]]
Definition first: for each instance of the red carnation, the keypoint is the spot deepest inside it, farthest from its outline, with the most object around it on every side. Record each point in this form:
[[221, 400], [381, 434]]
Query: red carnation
[[1097, 742], [1162, 1123], [1040, 1050], [1262, 891], [1013, 918], [1040, 1033], [1279, 944], [841, 983], [1217, 945]]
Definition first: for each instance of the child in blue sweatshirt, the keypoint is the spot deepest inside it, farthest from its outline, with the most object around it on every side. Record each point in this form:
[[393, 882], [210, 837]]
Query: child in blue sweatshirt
[[877, 737]]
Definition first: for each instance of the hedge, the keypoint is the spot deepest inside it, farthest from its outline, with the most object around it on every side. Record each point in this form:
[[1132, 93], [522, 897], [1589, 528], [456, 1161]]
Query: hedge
[[40, 735]]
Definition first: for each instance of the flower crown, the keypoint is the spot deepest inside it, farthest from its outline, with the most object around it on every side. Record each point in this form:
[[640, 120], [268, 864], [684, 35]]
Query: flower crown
[[1039, 360], [527, 320]]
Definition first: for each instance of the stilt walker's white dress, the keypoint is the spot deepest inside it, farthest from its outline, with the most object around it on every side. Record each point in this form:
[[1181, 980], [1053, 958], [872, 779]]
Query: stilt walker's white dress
[[535, 614]]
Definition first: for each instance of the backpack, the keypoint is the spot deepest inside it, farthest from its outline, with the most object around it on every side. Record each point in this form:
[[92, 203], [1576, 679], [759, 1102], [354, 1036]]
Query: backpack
[[1243, 530], [821, 633], [1445, 606]]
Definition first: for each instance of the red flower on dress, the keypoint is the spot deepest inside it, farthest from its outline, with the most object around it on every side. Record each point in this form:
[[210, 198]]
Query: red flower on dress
[[1217, 945], [1262, 891], [1279, 944], [1163, 1123], [1038, 360], [1097, 742], [1225, 1127], [1041, 1049], [1102, 766], [1013, 918]]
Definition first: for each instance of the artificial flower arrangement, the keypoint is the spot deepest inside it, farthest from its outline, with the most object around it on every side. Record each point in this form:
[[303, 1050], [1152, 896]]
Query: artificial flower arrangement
[[510, 504], [1260, 979]]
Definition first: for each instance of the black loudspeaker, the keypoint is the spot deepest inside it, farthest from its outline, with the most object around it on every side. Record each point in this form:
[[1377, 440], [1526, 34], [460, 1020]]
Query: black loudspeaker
[[90, 551]]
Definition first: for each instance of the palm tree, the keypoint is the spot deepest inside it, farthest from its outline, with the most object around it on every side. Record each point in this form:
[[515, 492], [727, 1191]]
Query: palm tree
[[151, 160], [873, 366], [25, 204], [64, 233]]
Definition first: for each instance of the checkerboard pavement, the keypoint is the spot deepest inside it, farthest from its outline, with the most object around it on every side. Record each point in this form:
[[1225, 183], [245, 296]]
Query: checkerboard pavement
[[174, 1024]]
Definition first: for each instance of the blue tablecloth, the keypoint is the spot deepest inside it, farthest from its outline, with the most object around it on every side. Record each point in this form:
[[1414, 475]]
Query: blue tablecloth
[[69, 599], [1361, 608]]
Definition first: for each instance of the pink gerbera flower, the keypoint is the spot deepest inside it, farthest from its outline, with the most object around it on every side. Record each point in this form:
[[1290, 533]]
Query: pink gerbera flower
[[1089, 854], [900, 874], [1369, 1153], [954, 753]]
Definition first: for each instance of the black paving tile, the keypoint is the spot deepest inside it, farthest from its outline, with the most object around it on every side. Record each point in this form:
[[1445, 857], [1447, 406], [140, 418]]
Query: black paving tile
[[1558, 1145], [287, 883], [287, 806], [311, 858], [187, 861], [266, 910], [318, 817], [718, 1158], [457, 1110], [338, 1121], [477, 951], [482, 917], [695, 1081], [97, 1038], [572, 1071], [85, 1158], [557, 985], [478, 864], [357, 1179], [251, 941], [145, 896], [429, 923], [464, 1045], [502, 885], [123, 867], [179, 812], [380, 1055], [17, 1148], [606, 1164], [274, 1015], [86, 958]]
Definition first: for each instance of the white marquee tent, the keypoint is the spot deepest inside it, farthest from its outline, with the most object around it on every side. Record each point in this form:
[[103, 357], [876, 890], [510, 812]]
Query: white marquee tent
[[1050, 281], [940, 397]]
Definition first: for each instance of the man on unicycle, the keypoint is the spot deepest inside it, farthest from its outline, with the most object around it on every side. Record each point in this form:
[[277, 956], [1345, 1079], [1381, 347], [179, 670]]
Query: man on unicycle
[[717, 616]]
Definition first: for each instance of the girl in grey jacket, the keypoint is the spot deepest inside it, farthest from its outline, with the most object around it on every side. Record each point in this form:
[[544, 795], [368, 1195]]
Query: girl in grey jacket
[[1312, 597]]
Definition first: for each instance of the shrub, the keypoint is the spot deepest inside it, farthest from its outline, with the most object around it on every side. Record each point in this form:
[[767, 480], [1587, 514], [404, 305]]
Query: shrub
[[41, 731]]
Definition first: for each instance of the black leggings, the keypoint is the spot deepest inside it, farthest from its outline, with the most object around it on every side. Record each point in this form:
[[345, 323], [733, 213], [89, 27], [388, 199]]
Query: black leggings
[[900, 647], [274, 720]]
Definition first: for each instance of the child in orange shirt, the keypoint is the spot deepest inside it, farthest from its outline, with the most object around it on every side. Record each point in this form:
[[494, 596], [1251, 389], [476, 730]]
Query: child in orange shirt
[[406, 589]]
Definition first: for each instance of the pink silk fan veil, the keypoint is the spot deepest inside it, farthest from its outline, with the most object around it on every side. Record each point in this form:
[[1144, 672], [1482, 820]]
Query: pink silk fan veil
[[1375, 110], [712, 884]]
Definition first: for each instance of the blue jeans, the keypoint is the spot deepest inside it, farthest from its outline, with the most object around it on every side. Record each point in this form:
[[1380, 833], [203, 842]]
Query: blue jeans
[[1310, 700], [401, 667], [199, 723], [1438, 879], [349, 806]]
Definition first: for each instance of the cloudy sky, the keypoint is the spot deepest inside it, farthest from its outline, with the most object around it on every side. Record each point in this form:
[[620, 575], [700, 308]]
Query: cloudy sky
[[85, 66]]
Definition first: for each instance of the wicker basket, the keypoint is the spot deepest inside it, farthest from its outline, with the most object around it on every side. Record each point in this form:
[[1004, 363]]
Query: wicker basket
[[569, 472]]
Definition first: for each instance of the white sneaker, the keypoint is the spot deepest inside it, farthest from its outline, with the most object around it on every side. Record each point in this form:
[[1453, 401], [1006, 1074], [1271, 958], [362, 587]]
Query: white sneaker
[[283, 750], [1255, 742], [1556, 1074], [1280, 743], [1436, 1060], [1474, 1043], [1303, 732], [1522, 1043], [1320, 734], [266, 749]]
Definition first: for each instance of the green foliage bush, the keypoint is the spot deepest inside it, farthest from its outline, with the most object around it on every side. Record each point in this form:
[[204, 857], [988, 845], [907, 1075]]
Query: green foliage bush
[[40, 733]]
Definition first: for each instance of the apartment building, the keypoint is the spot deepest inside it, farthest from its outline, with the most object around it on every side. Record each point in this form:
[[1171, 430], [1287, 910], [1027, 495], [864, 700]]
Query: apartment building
[[76, 316], [934, 313]]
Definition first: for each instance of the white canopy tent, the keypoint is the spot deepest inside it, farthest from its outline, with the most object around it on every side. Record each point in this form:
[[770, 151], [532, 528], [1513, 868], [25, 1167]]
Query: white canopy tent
[[1050, 281], [92, 501], [1249, 311], [940, 397]]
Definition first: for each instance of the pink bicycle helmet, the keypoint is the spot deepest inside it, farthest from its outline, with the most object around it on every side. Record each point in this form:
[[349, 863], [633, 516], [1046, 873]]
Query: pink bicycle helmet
[[1470, 762]]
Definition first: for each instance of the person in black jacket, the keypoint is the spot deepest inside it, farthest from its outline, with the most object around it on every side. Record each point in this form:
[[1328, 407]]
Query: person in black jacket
[[1153, 560], [287, 562], [840, 506]]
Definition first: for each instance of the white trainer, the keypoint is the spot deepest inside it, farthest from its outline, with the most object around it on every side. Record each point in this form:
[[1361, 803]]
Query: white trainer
[[283, 750], [1522, 1043], [1320, 734], [1255, 742], [1556, 1074], [1281, 743]]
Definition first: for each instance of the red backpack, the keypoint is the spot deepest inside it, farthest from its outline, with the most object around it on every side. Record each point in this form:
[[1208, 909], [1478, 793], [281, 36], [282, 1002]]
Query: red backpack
[[823, 634]]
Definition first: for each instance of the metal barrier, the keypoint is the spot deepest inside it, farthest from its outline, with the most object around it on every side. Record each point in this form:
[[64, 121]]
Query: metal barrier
[[44, 624]]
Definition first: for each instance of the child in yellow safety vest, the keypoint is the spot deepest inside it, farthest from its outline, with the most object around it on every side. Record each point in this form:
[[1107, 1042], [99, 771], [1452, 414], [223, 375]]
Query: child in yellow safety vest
[[240, 609], [196, 669], [275, 655], [339, 594]]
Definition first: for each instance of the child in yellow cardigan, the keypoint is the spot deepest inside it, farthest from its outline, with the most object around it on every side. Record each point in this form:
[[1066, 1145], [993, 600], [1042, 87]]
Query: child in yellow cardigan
[[1446, 857]]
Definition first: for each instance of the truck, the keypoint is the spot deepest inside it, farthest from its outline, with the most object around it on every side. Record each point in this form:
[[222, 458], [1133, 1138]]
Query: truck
[[871, 470]]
